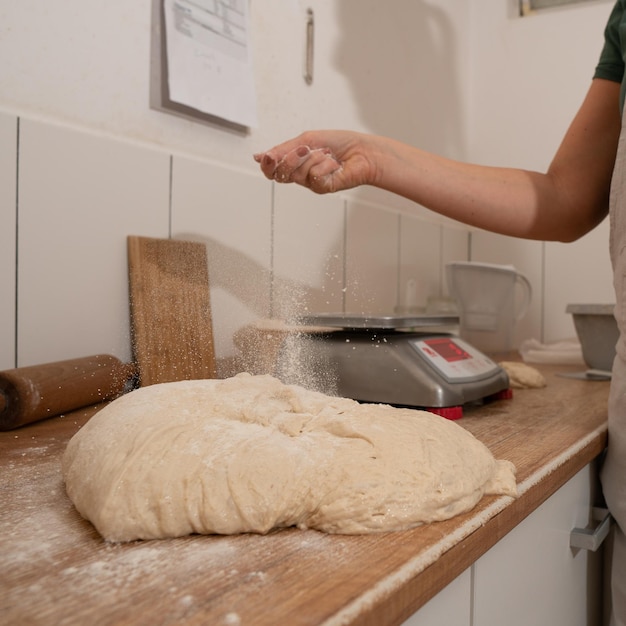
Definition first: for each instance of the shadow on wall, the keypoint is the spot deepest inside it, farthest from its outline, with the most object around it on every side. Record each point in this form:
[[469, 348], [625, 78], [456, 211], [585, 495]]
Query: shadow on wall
[[262, 292], [245, 295], [401, 61]]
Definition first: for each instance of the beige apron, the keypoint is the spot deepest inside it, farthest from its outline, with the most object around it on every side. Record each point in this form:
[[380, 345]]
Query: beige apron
[[614, 469]]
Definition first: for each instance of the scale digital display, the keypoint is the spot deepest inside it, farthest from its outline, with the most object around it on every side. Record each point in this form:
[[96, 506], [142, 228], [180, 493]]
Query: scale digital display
[[454, 359], [448, 349]]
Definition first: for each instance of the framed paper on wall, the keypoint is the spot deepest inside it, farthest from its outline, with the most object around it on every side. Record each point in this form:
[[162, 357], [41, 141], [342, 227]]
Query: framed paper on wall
[[201, 65], [526, 7]]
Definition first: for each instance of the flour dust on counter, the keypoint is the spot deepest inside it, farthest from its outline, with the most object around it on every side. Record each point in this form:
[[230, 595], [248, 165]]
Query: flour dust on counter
[[250, 454]]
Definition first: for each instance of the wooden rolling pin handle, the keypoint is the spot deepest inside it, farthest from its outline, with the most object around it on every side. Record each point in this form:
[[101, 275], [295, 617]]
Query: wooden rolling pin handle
[[29, 394]]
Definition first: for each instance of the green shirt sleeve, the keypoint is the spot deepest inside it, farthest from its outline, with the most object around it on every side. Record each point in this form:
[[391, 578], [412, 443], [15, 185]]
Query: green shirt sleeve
[[611, 63]]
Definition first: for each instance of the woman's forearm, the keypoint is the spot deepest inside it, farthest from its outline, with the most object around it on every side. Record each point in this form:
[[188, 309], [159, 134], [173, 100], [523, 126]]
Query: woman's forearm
[[503, 200]]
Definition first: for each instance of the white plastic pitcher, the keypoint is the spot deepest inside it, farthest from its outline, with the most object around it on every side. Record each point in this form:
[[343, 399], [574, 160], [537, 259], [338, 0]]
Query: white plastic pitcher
[[491, 300]]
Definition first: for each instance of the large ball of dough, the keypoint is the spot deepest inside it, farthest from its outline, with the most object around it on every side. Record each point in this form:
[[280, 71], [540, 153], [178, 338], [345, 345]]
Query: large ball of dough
[[248, 454]]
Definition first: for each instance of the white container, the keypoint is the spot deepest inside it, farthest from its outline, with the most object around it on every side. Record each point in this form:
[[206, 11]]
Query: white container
[[491, 300]]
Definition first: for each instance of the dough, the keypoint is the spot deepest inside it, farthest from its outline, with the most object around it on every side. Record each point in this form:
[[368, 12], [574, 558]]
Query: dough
[[522, 376], [248, 454]]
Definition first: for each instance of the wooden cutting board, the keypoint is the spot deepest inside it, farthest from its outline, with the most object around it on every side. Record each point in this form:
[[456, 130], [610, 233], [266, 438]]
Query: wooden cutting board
[[172, 334]]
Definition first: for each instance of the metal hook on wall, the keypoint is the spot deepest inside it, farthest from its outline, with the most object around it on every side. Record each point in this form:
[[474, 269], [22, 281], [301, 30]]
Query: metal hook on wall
[[308, 55]]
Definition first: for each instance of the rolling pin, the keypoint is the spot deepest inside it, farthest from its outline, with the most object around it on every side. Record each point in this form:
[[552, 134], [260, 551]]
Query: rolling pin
[[29, 394]]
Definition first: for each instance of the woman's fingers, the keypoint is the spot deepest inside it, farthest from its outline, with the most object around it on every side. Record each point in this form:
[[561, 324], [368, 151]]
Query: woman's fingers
[[301, 165], [300, 157]]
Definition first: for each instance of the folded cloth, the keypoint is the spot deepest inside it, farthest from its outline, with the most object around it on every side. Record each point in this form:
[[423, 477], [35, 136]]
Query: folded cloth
[[566, 352]]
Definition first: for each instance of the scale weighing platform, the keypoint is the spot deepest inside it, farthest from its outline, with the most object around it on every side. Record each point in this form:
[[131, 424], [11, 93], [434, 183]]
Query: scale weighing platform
[[401, 360]]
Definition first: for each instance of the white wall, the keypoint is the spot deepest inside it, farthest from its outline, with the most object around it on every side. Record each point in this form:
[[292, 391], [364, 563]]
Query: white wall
[[96, 164], [8, 190], [529, 76], [88, 64]]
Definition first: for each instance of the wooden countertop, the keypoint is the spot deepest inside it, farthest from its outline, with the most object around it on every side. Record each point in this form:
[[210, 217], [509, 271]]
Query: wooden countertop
[[55, 569]]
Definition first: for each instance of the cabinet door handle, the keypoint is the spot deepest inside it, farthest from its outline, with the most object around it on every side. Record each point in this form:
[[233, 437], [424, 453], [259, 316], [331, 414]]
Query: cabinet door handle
[[592, 538]]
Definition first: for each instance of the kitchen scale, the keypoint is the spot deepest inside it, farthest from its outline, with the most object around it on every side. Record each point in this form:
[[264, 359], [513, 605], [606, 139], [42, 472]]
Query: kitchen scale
[[400, 360]]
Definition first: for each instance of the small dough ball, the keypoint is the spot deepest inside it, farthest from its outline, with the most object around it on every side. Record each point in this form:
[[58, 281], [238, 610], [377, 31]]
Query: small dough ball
[[522, 376]]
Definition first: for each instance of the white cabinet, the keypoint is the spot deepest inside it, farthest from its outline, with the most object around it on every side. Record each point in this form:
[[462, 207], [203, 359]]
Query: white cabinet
[[452, 606], [531, 576]]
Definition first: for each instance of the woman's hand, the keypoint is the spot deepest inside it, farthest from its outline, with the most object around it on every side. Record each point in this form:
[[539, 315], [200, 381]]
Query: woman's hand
[[323, 161]]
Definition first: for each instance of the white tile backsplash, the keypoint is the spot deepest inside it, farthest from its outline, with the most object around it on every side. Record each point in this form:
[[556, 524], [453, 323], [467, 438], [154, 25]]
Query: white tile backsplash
[[308, 252], [80, 195], [8, 173], [372, 243], [273, 250], [421, 258], [231, 212], [454, 247], [580, 273]]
